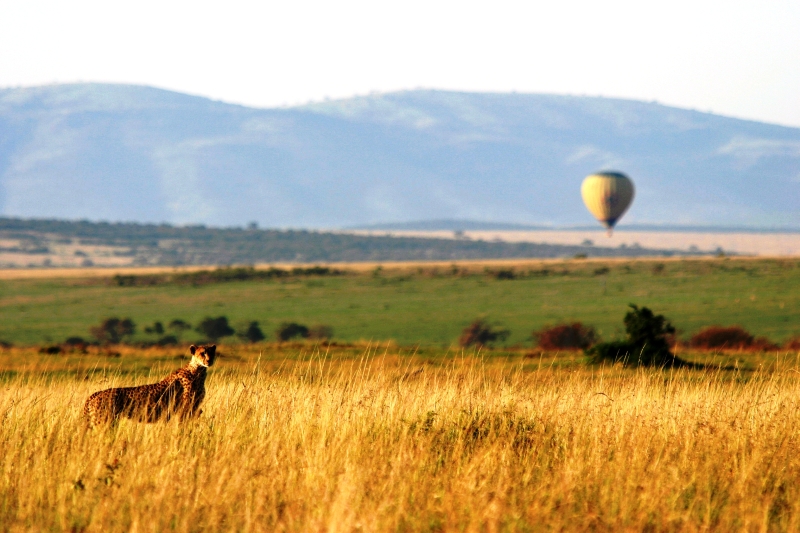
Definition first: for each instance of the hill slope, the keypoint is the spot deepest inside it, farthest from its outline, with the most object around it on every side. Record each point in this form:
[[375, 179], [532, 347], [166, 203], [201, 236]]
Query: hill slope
[[113, 152]]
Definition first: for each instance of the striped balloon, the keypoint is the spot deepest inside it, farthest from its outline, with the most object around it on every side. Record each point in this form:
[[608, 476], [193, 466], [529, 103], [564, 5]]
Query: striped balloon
[[607, 196]]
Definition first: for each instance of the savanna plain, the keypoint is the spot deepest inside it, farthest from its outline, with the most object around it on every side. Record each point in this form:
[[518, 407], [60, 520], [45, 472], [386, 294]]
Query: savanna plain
[[390, 426]]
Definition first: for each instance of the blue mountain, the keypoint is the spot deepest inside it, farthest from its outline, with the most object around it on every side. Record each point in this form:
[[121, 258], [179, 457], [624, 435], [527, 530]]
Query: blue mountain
[[132, 153]]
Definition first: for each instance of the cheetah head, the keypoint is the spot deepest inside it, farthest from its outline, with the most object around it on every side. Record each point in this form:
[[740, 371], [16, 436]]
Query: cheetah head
[[203, 355]]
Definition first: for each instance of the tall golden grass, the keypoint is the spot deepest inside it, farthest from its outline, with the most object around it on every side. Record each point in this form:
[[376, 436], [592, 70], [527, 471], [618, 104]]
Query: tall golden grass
[[384, 443]]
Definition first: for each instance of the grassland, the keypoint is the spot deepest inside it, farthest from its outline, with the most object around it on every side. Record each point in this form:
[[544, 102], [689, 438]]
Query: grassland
[[427, 304], [403, 431], [366, 440]]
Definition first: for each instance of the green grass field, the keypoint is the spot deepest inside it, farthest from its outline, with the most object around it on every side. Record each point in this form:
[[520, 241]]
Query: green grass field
[[430, 306]]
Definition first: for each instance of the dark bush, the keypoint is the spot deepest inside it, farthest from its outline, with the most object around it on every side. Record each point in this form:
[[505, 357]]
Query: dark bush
[[113, 330], [179, 326], [316, 271], [51, 350], [75, 344], [729, 338], [573, 336], [251, 333], [215, 328], [157, 328], [505, 274], [614, 352], [125, 281], [320, 332], [648, 343], [167, 340], [220, 275], [480, 333], [291, 330]]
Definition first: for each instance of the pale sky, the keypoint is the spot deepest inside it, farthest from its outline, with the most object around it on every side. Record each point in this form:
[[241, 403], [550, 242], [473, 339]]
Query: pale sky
[[735, 58]]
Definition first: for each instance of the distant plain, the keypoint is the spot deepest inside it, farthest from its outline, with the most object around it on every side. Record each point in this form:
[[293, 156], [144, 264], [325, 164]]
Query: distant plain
[[737, 242]]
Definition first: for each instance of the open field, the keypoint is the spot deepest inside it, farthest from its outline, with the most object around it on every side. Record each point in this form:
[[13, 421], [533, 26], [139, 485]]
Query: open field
[[429, 304], [745, 243], [371, 441], [393, 428]]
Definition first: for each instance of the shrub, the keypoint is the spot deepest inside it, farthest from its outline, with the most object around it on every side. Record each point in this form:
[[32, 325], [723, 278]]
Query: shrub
[[75, 344], [54, 349], [793, 344], [113, 330], [480, 333], [215, 328], [320, 332], [649, 337], [167, 340], [573, 336], [730, 338], [251, 333], [505, 274], [157, 328], [614, 352], [291, 330], [220, 275], [179, 326]]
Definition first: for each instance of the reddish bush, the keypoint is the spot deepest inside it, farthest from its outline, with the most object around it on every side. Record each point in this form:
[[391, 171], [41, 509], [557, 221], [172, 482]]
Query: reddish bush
[[793, 344], [573, 336], [729, 338]]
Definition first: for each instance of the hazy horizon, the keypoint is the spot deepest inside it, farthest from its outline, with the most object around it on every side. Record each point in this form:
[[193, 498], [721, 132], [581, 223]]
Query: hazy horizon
[[732, 59]]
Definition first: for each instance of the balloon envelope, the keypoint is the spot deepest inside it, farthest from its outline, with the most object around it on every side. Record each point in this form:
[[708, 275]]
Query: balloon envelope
[[607, 196]]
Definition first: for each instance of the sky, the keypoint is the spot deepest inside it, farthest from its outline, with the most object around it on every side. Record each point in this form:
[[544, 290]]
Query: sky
[[739, 59]]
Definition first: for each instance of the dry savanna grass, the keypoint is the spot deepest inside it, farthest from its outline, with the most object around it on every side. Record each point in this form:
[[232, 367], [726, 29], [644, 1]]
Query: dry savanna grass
[[753, 243], [386, 443]]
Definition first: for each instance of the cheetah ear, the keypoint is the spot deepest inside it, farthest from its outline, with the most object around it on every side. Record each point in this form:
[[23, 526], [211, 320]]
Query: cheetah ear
[[192, 349], [211, 350]]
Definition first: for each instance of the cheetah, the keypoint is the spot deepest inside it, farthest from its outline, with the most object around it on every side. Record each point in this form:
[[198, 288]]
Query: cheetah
[[178, 394]]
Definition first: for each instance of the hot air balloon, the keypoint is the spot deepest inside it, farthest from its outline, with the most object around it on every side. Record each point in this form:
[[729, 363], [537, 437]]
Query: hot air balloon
[[607, 196]]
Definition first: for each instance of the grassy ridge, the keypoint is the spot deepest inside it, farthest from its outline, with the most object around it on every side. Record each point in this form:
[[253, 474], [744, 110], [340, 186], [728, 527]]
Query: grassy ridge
[[380, 443], [429, 305]]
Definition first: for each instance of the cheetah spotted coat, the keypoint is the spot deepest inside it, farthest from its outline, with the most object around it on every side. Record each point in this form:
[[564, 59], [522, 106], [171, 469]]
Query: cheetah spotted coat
[[180, 393]]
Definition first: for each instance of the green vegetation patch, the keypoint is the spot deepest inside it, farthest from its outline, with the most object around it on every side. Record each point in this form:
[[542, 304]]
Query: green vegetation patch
[[219, 275], [424, 304]]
